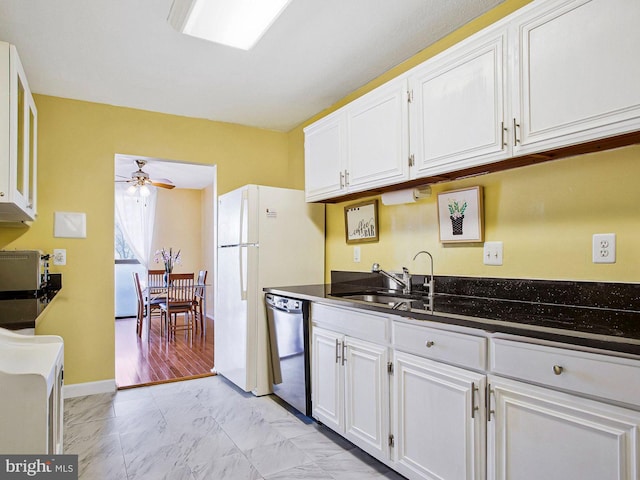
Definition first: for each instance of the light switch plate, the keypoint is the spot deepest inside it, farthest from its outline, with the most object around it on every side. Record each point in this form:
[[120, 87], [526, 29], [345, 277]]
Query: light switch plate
[[492, 253], [356, 254], [70, 225]]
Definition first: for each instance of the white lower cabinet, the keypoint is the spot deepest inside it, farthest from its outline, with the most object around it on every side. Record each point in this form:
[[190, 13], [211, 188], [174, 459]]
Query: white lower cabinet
[[439, 420], [31, 402], [429, 405], [366, 395], [350, 389], [536, 432], [327, 379]]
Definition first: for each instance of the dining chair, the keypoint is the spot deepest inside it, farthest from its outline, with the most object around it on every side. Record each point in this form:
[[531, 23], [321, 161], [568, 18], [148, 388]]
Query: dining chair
[[155, 277], [198, 301], [153, 304], [178, 299]]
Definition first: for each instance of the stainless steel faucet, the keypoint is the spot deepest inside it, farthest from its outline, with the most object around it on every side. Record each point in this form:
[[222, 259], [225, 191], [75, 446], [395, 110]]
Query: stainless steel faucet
[[432, 282], [405, 283]]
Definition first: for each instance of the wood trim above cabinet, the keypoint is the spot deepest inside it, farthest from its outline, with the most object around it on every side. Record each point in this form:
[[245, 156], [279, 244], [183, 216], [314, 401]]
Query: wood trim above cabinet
[[508, 164]]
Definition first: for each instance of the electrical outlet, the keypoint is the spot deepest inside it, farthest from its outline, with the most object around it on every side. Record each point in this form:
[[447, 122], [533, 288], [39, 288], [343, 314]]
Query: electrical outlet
[[356, 254], [59, 256], [604, 248], [492, 253]]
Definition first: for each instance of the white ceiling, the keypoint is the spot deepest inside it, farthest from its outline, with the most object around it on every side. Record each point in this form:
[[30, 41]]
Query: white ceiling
[[123, 52]]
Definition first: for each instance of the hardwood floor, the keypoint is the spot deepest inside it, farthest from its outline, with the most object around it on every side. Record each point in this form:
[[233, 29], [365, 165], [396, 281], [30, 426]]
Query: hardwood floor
[[141, 363]]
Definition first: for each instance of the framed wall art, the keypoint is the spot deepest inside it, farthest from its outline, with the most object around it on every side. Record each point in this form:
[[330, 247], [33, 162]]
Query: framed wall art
[[361, 222], [460, 215]]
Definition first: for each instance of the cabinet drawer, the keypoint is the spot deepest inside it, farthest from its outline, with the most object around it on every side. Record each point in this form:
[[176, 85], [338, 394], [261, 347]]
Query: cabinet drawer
[[355, 323], [450, 347], [600, 375]]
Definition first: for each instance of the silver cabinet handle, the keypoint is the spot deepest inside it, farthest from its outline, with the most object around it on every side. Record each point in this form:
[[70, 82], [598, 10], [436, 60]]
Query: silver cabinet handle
[[474, 389], [429, 344], [337, 351], [487, 393], [341, 179], [346, 178], [344, 352], [557, 369], [503, 130], [516, 140]]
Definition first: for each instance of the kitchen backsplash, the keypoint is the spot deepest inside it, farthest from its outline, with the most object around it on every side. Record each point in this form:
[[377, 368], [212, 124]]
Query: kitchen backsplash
[[608, 295]]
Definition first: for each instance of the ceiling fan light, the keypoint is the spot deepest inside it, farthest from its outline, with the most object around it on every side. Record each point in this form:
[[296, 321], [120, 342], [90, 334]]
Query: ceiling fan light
[[144, 191], [236, 23], [131, 190]]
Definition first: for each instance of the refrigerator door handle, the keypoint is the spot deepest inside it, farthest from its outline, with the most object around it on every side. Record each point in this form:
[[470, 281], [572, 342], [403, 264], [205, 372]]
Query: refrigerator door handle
[[244, 211], [242, 251]]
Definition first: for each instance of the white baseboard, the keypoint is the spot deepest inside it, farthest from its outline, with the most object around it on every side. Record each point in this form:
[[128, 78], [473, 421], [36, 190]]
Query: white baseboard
[[89, 388]]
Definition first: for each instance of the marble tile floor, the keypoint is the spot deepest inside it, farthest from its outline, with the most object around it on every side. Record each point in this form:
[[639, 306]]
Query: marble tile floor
[[205, 429]]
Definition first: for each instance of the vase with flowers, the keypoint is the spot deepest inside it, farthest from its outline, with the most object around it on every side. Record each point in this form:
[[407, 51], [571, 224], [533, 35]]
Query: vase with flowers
[[169, 259]]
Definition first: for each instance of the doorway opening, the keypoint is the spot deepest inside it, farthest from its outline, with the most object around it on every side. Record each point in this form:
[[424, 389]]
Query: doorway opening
[[180, 217]]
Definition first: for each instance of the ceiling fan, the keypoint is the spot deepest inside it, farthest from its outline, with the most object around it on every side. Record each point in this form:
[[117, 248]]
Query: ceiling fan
[[140, 180]]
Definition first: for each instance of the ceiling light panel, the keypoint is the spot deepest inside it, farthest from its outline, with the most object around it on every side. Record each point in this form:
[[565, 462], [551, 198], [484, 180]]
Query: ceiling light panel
[[236, 23]]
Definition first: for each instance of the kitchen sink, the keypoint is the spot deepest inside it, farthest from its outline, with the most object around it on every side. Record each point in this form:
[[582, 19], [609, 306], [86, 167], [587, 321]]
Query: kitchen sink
[[376, 298], [395, 302]]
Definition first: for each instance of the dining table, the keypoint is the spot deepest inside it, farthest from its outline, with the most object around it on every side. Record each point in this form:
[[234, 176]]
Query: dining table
[[159, 290]]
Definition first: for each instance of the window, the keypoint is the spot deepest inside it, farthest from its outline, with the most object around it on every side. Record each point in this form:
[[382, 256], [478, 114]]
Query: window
[[123, 253]]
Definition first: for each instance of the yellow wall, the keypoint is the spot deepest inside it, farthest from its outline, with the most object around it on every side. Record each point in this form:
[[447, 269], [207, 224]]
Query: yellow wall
[[545, 214], [178, 225], [77, 142]]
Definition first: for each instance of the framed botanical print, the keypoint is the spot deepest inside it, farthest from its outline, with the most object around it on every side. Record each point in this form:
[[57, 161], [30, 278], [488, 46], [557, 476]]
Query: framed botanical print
[[460, 215]]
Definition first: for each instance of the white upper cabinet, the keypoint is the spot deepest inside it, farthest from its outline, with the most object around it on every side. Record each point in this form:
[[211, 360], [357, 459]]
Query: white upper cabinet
[[325, 157], [18, 140], [457, 113], [378, 138], [361, 146], [555, 73], [575, 72]]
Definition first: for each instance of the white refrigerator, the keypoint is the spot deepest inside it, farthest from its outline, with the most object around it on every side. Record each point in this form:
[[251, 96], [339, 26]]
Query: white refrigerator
[[267, 237]]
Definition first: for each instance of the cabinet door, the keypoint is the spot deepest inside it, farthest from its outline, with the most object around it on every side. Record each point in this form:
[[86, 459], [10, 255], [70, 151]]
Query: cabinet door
[[324, 157], [18, 140], [577, 72], [539, 433], [439, 420], [367, 396], [458, 107], [378, 137], [26, 143], [327, 379]]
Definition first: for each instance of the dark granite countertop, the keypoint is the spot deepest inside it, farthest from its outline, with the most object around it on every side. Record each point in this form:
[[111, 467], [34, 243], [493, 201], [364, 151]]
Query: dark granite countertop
[[20, 310], [613, 329]]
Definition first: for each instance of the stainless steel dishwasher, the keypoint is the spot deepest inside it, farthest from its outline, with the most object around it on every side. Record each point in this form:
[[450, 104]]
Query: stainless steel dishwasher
[[289, 341]]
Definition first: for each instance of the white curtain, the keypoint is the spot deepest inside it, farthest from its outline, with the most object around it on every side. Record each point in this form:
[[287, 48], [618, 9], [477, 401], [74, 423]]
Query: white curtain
[[136, 215]]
